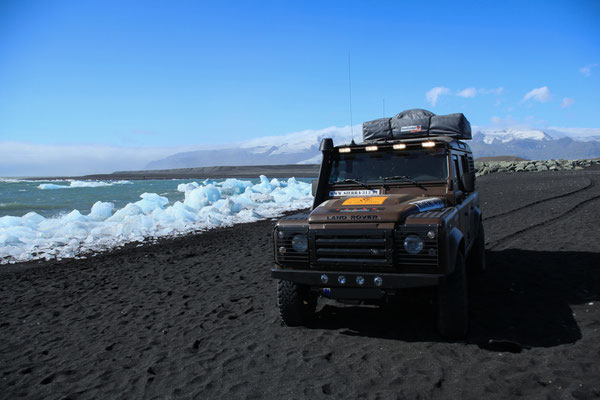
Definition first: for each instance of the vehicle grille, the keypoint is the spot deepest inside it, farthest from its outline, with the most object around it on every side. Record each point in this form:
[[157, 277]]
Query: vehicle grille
[[291, 256], [427, 259], [351, 249]]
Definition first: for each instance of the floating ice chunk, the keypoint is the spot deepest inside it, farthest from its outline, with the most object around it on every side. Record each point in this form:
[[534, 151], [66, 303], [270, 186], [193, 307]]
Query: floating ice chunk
[[82, 184], [127, 211], [187, 187], [101, 210], [151, 201], [202, 196], [48, 186], [207, 205], [32, 219], [234, 186]]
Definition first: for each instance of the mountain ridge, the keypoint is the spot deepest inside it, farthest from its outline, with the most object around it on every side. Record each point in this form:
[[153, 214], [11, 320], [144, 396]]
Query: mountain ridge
[[303, 147]]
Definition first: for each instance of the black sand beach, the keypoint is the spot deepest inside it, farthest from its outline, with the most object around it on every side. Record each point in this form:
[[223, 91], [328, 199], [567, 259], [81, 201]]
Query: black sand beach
[[196, 317]]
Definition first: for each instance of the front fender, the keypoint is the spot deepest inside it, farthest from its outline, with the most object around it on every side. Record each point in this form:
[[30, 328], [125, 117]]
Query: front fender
[[454, 245], [477, 217]]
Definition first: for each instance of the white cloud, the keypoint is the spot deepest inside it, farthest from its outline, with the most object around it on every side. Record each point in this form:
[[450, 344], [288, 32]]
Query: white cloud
[[539, 94], [566, 102], [472, 92], [587, 70], [28, 159], [468, 92], [496, 91], [434, 94]]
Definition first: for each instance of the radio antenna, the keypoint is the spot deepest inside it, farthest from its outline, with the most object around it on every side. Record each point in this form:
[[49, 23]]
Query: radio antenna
[[350, 97], [384, 107]]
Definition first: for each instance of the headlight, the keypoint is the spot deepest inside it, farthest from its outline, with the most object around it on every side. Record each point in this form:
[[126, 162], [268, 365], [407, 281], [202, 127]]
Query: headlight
[[300, 243], [413, 244]]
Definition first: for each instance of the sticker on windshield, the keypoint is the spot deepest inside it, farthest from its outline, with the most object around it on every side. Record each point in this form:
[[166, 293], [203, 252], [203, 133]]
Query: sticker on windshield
[[344, 193], [360, 201], [428, 204]]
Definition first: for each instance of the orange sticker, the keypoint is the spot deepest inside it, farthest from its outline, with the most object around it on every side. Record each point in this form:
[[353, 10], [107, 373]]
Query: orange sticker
[[360, 201]]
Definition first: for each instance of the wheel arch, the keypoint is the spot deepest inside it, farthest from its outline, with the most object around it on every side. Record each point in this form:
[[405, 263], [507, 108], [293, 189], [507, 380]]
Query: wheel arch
[[456, 244]]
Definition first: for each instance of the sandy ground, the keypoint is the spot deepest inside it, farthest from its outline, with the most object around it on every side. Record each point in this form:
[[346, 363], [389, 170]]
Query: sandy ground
[[196, 317]]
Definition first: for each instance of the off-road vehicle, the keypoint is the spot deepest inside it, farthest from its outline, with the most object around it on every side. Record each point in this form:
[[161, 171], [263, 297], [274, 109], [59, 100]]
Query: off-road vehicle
[[397, 211]]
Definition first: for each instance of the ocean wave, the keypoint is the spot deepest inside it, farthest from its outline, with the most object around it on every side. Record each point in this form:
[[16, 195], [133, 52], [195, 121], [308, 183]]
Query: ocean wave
[[206, 205], [82, 184]]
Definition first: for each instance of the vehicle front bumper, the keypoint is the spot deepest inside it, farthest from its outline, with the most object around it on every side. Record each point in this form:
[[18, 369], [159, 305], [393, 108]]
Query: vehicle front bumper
[[388, 280]]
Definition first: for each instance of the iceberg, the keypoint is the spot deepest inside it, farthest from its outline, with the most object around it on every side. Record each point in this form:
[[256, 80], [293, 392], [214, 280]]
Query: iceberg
[[81, 184], [206, 205]]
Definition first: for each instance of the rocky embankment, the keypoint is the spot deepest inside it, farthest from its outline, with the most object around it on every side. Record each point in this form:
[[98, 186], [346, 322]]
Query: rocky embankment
[[484, 168]]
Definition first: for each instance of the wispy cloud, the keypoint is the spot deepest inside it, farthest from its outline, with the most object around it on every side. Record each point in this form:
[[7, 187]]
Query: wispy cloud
[[538, 94], [468, 92], [472, 92], [496, 91], [587, 70], [566, 102], [434, 94]]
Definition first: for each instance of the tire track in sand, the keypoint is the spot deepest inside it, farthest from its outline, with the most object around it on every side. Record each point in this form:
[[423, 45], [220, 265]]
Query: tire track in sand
[[515, 235], [502, 214]]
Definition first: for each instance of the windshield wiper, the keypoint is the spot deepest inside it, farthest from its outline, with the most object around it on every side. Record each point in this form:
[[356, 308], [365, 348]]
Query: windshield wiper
[[354, 181], [403, 178]]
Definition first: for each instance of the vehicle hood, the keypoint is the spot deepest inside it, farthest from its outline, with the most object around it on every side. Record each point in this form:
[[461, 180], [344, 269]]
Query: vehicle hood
[[381, 208]]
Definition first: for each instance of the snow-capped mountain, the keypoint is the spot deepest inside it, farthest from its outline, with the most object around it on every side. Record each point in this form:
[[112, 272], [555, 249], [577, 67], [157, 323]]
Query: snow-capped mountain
[[490, 136], [303, 147], [569, 143], [292, 148]]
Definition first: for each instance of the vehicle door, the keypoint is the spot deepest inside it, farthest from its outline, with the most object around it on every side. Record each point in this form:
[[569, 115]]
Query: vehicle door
[[462, 202], [468, 213]]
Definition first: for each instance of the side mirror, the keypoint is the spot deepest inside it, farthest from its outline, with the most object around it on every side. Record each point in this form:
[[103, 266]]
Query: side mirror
[[326, 144], [467, 182], [315, 183]]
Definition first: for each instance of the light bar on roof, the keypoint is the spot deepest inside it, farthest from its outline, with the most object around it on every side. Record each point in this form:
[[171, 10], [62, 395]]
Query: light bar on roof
[[400, 146], [371, 148], [428, 144]]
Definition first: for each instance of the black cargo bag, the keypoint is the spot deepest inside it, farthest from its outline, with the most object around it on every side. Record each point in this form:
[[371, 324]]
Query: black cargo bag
[[456, 125], [411, 123], [417, 123], [378, 129]]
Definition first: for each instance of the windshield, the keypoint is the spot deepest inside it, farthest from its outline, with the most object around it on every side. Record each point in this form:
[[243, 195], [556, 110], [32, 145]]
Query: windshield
[[419, 165]]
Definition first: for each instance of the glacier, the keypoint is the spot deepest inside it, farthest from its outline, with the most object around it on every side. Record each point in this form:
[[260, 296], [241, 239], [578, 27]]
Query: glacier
[[206, 205]]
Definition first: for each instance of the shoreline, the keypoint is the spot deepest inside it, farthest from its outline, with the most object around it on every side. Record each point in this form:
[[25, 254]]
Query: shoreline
[[220, 172]]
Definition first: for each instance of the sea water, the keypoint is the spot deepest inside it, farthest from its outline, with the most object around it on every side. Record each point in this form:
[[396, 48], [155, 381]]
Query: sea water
[[70, 218]]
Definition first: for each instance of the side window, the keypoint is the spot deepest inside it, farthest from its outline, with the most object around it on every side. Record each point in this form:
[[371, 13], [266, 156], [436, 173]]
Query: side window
[[471, 163], [456, 169], [465, 164]]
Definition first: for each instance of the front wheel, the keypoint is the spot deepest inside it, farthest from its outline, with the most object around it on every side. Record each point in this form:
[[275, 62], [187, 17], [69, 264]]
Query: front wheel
[[296, 303], [476, 261], [453, 313]]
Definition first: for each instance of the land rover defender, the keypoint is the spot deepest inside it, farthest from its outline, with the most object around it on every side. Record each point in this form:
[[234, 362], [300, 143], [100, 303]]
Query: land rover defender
[[397, 211]]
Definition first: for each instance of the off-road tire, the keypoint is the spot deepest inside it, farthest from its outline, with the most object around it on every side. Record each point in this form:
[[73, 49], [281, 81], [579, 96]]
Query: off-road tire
[[453, 307], [476, 260], [296, 303]]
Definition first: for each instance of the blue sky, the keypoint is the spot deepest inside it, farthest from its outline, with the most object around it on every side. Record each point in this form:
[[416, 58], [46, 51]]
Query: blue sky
[[178, 73]]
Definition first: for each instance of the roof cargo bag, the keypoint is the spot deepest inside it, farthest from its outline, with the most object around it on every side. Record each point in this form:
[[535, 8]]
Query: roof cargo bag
[[455, 125], [411, 123], [417, 123], [378, 129]]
